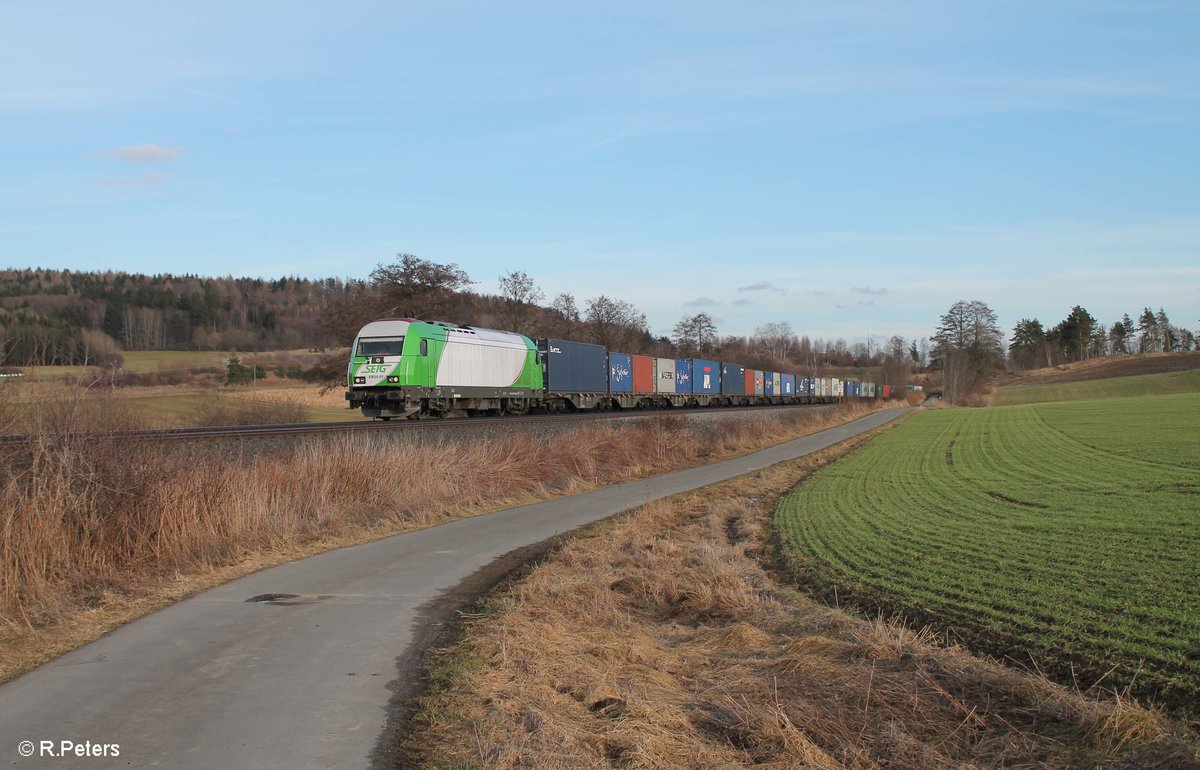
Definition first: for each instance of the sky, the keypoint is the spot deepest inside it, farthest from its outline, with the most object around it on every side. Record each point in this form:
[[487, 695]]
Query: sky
[[852, 168]]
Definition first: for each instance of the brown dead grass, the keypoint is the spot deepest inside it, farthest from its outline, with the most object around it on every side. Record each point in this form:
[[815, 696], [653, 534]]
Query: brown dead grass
[[659, 641], [96, 530]]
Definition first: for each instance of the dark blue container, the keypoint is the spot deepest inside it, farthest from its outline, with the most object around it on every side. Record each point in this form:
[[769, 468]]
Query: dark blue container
[[706, 377], [789, 384], [574, 367], [733, 380], [620, 373], [683, 375], [768, 383]]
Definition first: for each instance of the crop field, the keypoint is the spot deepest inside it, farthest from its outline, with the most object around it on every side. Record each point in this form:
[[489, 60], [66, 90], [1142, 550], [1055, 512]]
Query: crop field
[[1113, 387], [1061, 536]]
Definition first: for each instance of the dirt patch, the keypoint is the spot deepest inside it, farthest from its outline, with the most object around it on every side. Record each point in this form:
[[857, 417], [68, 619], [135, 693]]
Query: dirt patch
[[1015, 501]]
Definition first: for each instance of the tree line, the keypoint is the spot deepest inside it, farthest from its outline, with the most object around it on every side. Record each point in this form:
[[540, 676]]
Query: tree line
[[50, 317], [417, 288], [1080, 336], [968, 346], [53, 317]]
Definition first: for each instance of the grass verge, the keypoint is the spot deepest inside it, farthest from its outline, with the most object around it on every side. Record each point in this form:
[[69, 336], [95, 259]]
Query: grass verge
[[658, 639]]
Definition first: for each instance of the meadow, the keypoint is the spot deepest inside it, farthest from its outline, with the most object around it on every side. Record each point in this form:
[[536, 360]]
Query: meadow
[[1062, 537]]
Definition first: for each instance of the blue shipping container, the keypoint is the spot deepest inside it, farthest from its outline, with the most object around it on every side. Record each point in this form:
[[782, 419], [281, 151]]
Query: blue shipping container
[[768, 383], [620, 373], [789, 384], [706, 377], [574, 367], [683, 375], [733, 380]]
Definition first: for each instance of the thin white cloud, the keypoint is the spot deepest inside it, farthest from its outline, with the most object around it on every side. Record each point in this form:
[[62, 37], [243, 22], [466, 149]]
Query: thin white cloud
[[742, 302], [145, 180], [701, 302], [869, 291], [761, 286], [144, 153]]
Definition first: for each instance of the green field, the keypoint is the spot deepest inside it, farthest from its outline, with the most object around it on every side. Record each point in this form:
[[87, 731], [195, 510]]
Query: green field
[[1114, 387], [1062, 535]]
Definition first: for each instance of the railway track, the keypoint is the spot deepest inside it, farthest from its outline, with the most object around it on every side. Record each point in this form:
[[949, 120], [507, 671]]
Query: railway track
[[297, 429]]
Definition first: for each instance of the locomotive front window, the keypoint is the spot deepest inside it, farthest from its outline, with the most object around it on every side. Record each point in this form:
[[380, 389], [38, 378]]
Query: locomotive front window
[[380, 346]]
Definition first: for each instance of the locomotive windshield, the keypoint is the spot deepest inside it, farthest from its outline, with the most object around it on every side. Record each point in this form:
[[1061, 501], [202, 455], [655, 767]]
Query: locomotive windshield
[[380, 346]]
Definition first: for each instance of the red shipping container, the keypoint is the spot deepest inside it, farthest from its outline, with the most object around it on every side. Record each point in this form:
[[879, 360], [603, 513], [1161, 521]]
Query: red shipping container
[[643, 374], [750, 375]]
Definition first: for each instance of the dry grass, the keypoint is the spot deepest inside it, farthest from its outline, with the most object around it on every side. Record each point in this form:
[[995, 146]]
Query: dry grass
[[659, 641], [213, 409], [95, 529]]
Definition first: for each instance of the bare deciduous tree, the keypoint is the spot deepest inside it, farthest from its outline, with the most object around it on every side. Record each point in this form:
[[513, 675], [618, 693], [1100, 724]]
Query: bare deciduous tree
[[776, 340], [695, 335], [967, 349], [614, 323], [522, 294]]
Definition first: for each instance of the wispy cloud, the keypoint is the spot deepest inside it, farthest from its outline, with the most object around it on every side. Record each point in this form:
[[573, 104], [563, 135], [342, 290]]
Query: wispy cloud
[[144, 153], [145, 180], [762, 286], [742, 302], [701, 302], [869, 291]]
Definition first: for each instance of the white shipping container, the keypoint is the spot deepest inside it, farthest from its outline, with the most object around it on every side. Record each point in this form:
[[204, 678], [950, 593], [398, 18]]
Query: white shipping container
[[664, 375], [838, 388], [778, 377]]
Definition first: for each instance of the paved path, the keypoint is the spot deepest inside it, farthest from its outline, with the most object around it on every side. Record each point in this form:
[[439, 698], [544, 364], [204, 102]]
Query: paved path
[[216, 682]]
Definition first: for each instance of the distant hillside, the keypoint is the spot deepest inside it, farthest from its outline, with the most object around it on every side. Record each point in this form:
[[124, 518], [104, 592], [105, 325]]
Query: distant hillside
[[1103, 368], [52, 317], [1108, 377], [1161, 384]]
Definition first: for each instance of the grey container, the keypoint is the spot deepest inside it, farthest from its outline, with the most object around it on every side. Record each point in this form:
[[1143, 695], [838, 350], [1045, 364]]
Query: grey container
[[664, 375], [733, 380], [574, 367]]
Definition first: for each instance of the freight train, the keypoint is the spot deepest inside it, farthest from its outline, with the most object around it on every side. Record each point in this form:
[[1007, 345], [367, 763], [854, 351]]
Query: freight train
[[402, 367]]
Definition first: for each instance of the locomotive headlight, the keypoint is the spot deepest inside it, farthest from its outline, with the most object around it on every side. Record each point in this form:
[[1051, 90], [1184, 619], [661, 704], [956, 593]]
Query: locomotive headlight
[[393, 378], [360, 380]]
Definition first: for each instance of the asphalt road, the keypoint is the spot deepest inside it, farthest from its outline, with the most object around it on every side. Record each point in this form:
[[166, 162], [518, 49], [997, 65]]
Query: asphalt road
[[219, 682]]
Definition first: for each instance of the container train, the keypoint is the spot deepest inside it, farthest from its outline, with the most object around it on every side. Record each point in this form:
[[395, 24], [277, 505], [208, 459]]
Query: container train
[[402, 367]]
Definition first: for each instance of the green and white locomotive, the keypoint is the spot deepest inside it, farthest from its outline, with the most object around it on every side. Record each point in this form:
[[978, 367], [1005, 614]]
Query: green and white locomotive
[[402, 367]]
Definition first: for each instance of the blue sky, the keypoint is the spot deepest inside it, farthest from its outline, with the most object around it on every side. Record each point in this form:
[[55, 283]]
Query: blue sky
[[849, 167]]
